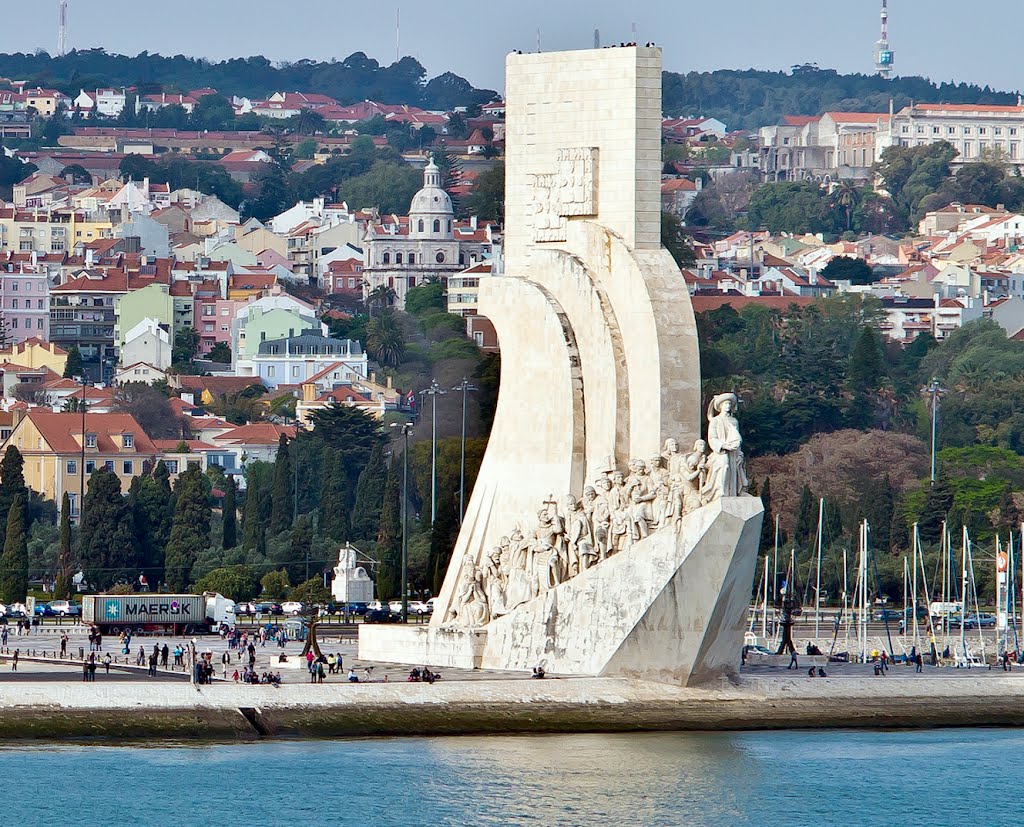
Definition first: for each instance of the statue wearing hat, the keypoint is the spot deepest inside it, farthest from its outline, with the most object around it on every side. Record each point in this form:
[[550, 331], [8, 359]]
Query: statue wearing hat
[[726, 476]]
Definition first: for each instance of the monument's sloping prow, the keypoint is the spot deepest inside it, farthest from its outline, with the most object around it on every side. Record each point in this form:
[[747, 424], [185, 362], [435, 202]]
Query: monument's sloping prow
[[600, 371]]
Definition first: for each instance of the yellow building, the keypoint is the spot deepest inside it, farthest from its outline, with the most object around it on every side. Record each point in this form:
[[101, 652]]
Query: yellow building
[[35, 353], [52, 446]]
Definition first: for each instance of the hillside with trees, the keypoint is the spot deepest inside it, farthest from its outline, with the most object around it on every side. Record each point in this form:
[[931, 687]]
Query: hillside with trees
[[747, 99], [351, 80]]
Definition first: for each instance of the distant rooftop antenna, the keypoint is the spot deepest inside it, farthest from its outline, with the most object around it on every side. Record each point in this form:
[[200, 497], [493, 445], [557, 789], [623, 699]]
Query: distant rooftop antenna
[[538, 40], [885, 57], [597, 38], [62, 28], [633, 38], [398, 34]]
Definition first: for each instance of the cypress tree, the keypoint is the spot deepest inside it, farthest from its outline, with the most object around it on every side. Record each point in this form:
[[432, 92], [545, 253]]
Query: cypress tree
[[14, 560], [369, 495], [12, 483], [190, 530], [281, 495], [768, 523], [62, 586], [389, 536], [806, 519], [299, 550], [102, 561], [935, 509], [334, 498], [442, 541], [152, 506], [229, 513], [73, 365], [866, 365]]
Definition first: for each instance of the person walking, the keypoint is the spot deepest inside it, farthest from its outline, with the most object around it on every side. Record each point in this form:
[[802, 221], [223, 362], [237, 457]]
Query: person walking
[[793, 663], [319, 672], [14, 661], [63, 644], [106, 663], [918, 663], [164, 654]]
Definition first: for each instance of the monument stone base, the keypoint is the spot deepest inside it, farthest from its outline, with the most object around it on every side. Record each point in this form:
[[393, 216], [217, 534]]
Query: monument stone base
[[669, 608]]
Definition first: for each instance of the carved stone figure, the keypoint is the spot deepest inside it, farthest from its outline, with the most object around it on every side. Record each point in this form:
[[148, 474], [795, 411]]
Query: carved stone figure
[[577, 531], [494, 578], [470, 606], [672, 457], [521, 582], [601, 517], [726, 476], [548, 562]]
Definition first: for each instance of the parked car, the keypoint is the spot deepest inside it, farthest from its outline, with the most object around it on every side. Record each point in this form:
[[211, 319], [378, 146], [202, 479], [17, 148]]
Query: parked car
[[430, 605], [42, 610], [985, 621], [267, 608], [395, 606], [418, 607], [357, 608], [883, 615], [293, 607], [374, 606], [382, 616], [64, 608]]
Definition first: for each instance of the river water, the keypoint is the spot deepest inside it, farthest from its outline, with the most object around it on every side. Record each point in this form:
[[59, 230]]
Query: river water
[[935, 778]]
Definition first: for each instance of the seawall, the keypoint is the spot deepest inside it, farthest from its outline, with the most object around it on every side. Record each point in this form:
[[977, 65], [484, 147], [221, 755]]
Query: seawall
[[232, 712]]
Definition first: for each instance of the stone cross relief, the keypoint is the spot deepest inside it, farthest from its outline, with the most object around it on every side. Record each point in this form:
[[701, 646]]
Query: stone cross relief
[[569, 191]]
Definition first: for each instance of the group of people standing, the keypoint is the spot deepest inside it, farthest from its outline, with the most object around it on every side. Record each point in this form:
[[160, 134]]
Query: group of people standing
[[617, 511]]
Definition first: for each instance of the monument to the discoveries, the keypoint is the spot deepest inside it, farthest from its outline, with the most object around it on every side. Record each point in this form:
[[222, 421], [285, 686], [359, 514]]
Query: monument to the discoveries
[[603, 536]]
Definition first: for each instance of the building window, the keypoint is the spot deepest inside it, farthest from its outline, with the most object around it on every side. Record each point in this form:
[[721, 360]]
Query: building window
[[72, 466], [39, 304], [398, 258], [935, 130], [39, 324], [439, 258], [171, 465], [90, 466], [412, 258], [128, 467], [108, 464], [129, 441], [967, 130], [386, 258], [271, 370], [437, 225], [14, 304], [14, 324], [421, 225], [295, 370], [982, 130], [14, 286], [90, 440]]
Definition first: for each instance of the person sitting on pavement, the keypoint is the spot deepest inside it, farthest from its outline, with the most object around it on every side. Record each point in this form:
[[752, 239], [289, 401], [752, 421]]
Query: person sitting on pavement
[[352, 676]]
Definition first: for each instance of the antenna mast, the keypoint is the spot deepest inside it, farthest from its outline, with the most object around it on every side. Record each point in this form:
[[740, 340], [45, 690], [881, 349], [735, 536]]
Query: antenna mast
[[398, 34], [885, 57], [62, 28], [597, 38]]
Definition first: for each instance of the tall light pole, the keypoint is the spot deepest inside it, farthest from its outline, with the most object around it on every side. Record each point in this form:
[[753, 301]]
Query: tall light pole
[[465, 387], [406, 429], [81, 470], [433, 392], [934, 390]]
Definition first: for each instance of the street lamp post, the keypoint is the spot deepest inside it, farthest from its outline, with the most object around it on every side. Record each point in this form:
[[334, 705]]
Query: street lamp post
[[81, 470], [433, 392], [406, 429], [465, 387], [934, 390]]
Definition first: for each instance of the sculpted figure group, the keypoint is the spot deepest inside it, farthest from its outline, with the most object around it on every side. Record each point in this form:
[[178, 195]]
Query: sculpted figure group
[[618, 510]]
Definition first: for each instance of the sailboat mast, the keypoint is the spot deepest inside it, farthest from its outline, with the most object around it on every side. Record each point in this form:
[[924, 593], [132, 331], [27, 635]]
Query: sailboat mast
[[963, 593], [817, 587]]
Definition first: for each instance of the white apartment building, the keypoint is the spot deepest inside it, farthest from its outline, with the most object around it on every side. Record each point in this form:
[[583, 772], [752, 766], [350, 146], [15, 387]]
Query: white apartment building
[[974, 130]]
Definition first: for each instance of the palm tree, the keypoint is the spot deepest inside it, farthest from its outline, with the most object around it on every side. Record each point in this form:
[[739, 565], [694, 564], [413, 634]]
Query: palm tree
[[380, 295], [847, 195], [385, 340]]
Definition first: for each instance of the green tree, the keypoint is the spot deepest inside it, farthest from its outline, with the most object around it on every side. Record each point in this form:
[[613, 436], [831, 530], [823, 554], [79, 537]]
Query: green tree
[[843, 268], [281, 505], [793, 207], [65, 561], [675, 241], [937, 505], [385, 340], [768, 523], [387, 185], [229, 511], [213, 113], [426, 299], [806, 519], [14, 560], [275, 585], [221, 353], [259, 483], [311, 592], [308, 122], [487, 198], [106, 551], [304, 150], [73, 365], [186, 345], [369, 496], [389, 536], [866, 367], [334, 498], [238, 582], [152, 509], [190, 530], [12, 483]]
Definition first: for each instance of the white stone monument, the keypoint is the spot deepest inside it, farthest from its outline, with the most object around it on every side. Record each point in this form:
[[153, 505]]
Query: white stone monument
[[592, 543], [351, 582]]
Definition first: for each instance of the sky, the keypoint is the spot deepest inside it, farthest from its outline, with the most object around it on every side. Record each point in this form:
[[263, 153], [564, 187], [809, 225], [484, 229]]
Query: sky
[[933, 38]]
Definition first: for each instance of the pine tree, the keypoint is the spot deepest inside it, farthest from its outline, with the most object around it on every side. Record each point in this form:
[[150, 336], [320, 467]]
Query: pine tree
[[12, 483], [935, 510], [866, 365], [369, 496], [104, 510], [190, 530], [151, 502], [281, 496], [806, 519], [73, 365], [768, 523], [442, 541], [389, 536], [878, 509], [299, 550], [229, 513], [62, 585], [14, 560]]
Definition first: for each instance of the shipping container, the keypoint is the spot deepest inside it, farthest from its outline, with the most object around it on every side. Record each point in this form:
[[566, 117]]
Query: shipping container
[[172, 613]]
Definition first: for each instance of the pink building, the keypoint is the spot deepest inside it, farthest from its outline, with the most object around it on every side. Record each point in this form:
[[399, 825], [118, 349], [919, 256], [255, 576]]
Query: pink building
[[25, 303], [213, 317]]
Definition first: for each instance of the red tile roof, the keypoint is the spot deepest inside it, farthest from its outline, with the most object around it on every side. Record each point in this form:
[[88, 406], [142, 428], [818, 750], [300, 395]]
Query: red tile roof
[[257, 433], [60, 429]]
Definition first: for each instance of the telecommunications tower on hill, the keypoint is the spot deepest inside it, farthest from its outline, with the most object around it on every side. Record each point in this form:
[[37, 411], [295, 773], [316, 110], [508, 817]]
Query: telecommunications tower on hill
[[62, 28], [884, 56]]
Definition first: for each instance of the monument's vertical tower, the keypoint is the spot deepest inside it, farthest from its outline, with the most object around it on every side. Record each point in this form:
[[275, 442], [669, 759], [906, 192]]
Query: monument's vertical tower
[[599, 346]]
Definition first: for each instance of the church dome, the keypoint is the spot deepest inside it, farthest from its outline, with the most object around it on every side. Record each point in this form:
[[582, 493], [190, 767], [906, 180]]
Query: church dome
[[431, 201]]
